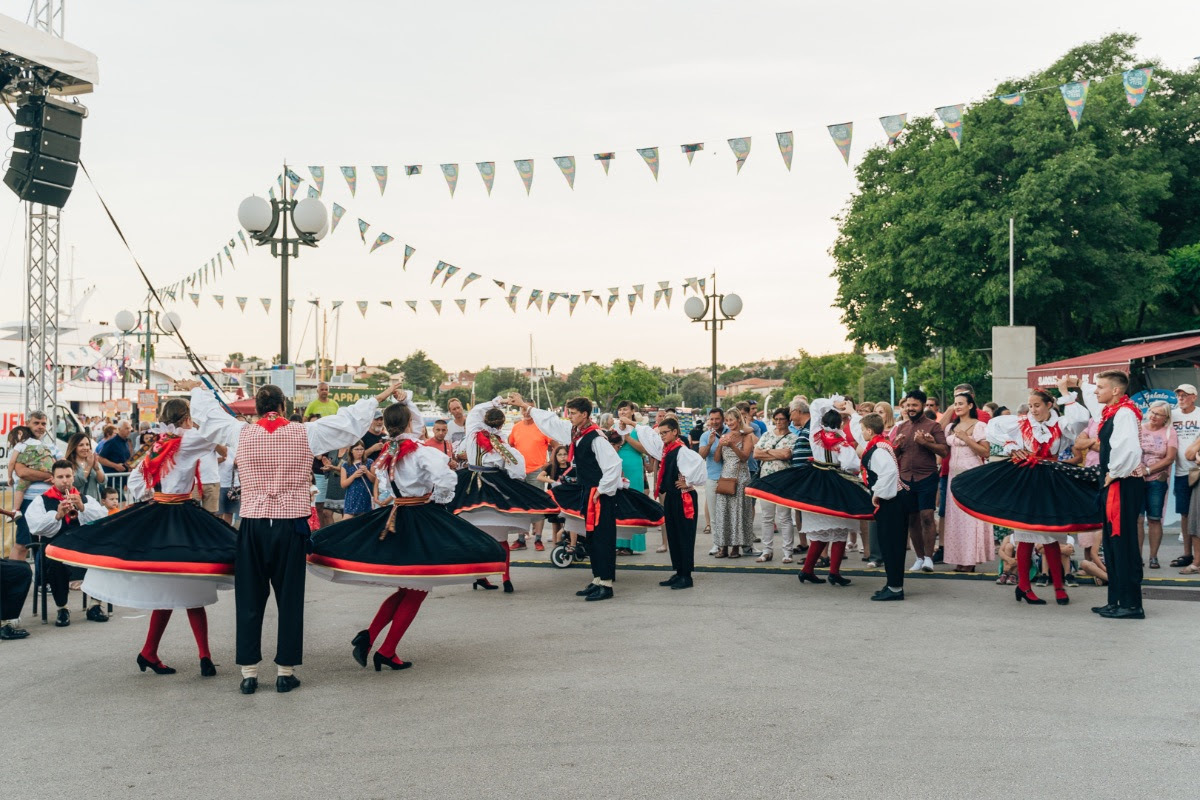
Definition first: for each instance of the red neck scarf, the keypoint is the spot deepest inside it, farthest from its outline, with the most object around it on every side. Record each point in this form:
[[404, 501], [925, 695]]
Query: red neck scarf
[[160, 459], [871, 445], [830, 440], [1039, 449], [484, 440], [394, 451], [54, 494], [574, 439], [272, 422], [1110, 410], [667, 449]]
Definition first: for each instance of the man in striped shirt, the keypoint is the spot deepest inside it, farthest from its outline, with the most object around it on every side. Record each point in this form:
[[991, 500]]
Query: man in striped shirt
[[801, 454]]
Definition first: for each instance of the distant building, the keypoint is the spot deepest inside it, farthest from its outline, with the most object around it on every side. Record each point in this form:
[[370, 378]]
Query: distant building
[[760, 386]]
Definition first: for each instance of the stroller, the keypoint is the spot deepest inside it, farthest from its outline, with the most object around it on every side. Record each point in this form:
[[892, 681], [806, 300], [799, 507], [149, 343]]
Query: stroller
[[561, 556]]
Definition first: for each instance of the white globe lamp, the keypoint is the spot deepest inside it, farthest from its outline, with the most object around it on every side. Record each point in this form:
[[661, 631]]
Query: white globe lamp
[[125, 321], [309, 215], [169, 322], [731, 305], [254, 214], [694, 308]]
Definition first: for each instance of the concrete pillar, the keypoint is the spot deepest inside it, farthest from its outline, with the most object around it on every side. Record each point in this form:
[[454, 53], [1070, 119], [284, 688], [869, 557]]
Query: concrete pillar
[[1014, 351]]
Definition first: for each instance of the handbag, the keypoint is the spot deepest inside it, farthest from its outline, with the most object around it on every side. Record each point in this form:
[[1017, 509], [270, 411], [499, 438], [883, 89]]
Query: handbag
[[234, 494], [727, 486]]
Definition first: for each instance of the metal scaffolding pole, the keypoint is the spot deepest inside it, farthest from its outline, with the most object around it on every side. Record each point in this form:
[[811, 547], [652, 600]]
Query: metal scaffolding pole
[[41, 269]]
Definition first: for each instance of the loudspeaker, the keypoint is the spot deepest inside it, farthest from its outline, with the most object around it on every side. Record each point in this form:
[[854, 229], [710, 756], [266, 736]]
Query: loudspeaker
[[45, 159]]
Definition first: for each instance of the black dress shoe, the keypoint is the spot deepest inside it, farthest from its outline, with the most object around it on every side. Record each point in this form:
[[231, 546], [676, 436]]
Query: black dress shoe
[[11, 632], [158, 667], [837, 580], [671, 581], [96, 614], [684, 582], [589, 589], [508, 587], [808, 577], [939, 555], [1124, 613], [207, 668], [382, 661], [285, 683], [1101, 609], [249, 685], [362, 645], [602, 593], [483, 583], [63, 619], [885, 594]]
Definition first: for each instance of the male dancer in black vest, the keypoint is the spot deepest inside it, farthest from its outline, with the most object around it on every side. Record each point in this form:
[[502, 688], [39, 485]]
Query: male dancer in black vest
[[1123, 496], [881, 474], [681, 470], [597, 468]]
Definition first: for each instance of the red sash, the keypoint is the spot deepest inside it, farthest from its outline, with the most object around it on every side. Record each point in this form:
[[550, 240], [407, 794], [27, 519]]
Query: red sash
[[592, 517], [1039, 450], [1110, 411], [871, 445]]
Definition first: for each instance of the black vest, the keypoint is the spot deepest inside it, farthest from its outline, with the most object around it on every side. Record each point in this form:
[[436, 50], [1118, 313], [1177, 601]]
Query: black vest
[[52, 507], [872, 476], [587, 468], [668, 472], [1106, 431]]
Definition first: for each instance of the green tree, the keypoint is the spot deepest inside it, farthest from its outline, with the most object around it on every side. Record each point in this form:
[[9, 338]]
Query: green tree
[[671, 400], [696, 389], [962, 366], [421, 374], [491, 382], [394, 366], [821, 376], [236, 358], [876, 382], [922, 250], [622, 380], [378, 380], [732, 376]]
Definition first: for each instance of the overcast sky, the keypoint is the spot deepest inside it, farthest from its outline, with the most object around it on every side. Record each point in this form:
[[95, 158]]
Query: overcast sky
[[199, 103]]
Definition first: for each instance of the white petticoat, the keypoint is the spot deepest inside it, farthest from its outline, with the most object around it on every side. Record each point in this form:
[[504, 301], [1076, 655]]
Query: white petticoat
[[151, 591], [498, 524], [1037, 537], [423, 584], [825, 528]]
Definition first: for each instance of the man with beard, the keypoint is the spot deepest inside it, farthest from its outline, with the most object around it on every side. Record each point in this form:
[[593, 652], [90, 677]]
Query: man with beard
[[918, 441]]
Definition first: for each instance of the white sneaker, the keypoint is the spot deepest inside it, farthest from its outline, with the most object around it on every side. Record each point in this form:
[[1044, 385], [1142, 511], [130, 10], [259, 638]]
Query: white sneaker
[[916, 566], [927, 565], [714, 550]]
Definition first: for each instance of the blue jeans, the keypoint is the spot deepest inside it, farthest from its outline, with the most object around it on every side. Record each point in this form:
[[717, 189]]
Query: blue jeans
[[1156, 498], [1183, 494]]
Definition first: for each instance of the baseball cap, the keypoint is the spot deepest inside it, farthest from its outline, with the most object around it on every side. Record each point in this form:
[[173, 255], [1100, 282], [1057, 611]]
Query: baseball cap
[[1186, 388], [378, 415]]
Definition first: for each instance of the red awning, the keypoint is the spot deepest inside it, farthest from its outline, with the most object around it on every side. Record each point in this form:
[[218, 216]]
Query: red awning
[[243, 406], [1087, 367]]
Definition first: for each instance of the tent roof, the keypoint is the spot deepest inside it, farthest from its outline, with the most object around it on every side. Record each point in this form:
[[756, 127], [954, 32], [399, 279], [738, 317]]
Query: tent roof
[[67, 68], [1114, 358]]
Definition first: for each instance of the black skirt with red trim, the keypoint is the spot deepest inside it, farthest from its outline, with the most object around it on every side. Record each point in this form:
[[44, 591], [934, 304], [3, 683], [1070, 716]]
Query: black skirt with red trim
[[1047, 496], [819, 489], [632, 508], [496, 490], [428, 542], [160, 538]]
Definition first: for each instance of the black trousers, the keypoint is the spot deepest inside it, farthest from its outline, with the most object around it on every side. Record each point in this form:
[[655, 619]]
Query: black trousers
[[15, 579], [1124, 501], [270, 555], [891, 525], [681, 531], [56, 574], [602, 541]]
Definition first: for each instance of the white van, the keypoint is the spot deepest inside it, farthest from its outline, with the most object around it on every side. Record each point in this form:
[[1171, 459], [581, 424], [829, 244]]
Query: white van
[[12, 415]]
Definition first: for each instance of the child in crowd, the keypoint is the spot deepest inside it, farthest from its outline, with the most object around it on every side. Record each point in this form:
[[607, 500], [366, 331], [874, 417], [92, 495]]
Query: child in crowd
[[110, 498], [551, 474], [16, 436]]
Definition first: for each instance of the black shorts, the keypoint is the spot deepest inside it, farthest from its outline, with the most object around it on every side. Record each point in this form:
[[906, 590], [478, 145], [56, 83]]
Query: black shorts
[[920, 495]]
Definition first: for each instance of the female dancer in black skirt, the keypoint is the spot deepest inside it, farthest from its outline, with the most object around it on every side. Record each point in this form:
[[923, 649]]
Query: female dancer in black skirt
[[413, 543], [492, 493], [827, 490], [1032, 492], [165, 554]]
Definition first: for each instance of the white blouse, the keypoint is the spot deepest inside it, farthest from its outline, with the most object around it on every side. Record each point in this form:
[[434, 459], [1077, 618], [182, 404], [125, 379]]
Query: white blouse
[[493, 459], [560, 430], [425, 471], [691, 465], [181, 477]]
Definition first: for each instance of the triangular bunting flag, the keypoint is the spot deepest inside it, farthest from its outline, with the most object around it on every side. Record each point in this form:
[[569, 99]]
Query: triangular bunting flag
[[195, 298], [550, 301], [1136, 82], [741, 149], [612, 300], [667, 295], [318, 176], [291, 303], [219, 299], [700, 282], [501, 284], [471, 276], [293, 182], [1075, 96], [650, 156], [587, 295], [604, 159], [437, 306], [638, 290], [952, 118], [313, 192], [535, 296], [438, 270], [412, 169], [483, 301], [525, 168], [657, 297], [362, 229], [514, 290], [242, 236], [387, 303], [338, 213], [567, 165], [893, 125], [1014, 99], [572, 301], [411, 304], [512, 302], [335, 305], [380, 178], [690, 150], [408, 251], [487, 171], [841, 135], [451, 173], [380, 241], [450, 270], [462, 304], [266, 303], [614, 290], [785, 148], [271, 193], [632, 302], [362, 307], [351, 176], [241, 301]]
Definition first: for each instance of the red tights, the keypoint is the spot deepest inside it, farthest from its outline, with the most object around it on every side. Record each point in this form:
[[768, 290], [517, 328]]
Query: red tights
[[1051, 555], [399, 609], [837, 551], [197, 618]]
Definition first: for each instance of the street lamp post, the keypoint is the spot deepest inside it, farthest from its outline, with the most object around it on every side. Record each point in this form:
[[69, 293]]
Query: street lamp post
[[263, 218], [706, 311], [167, 324]]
